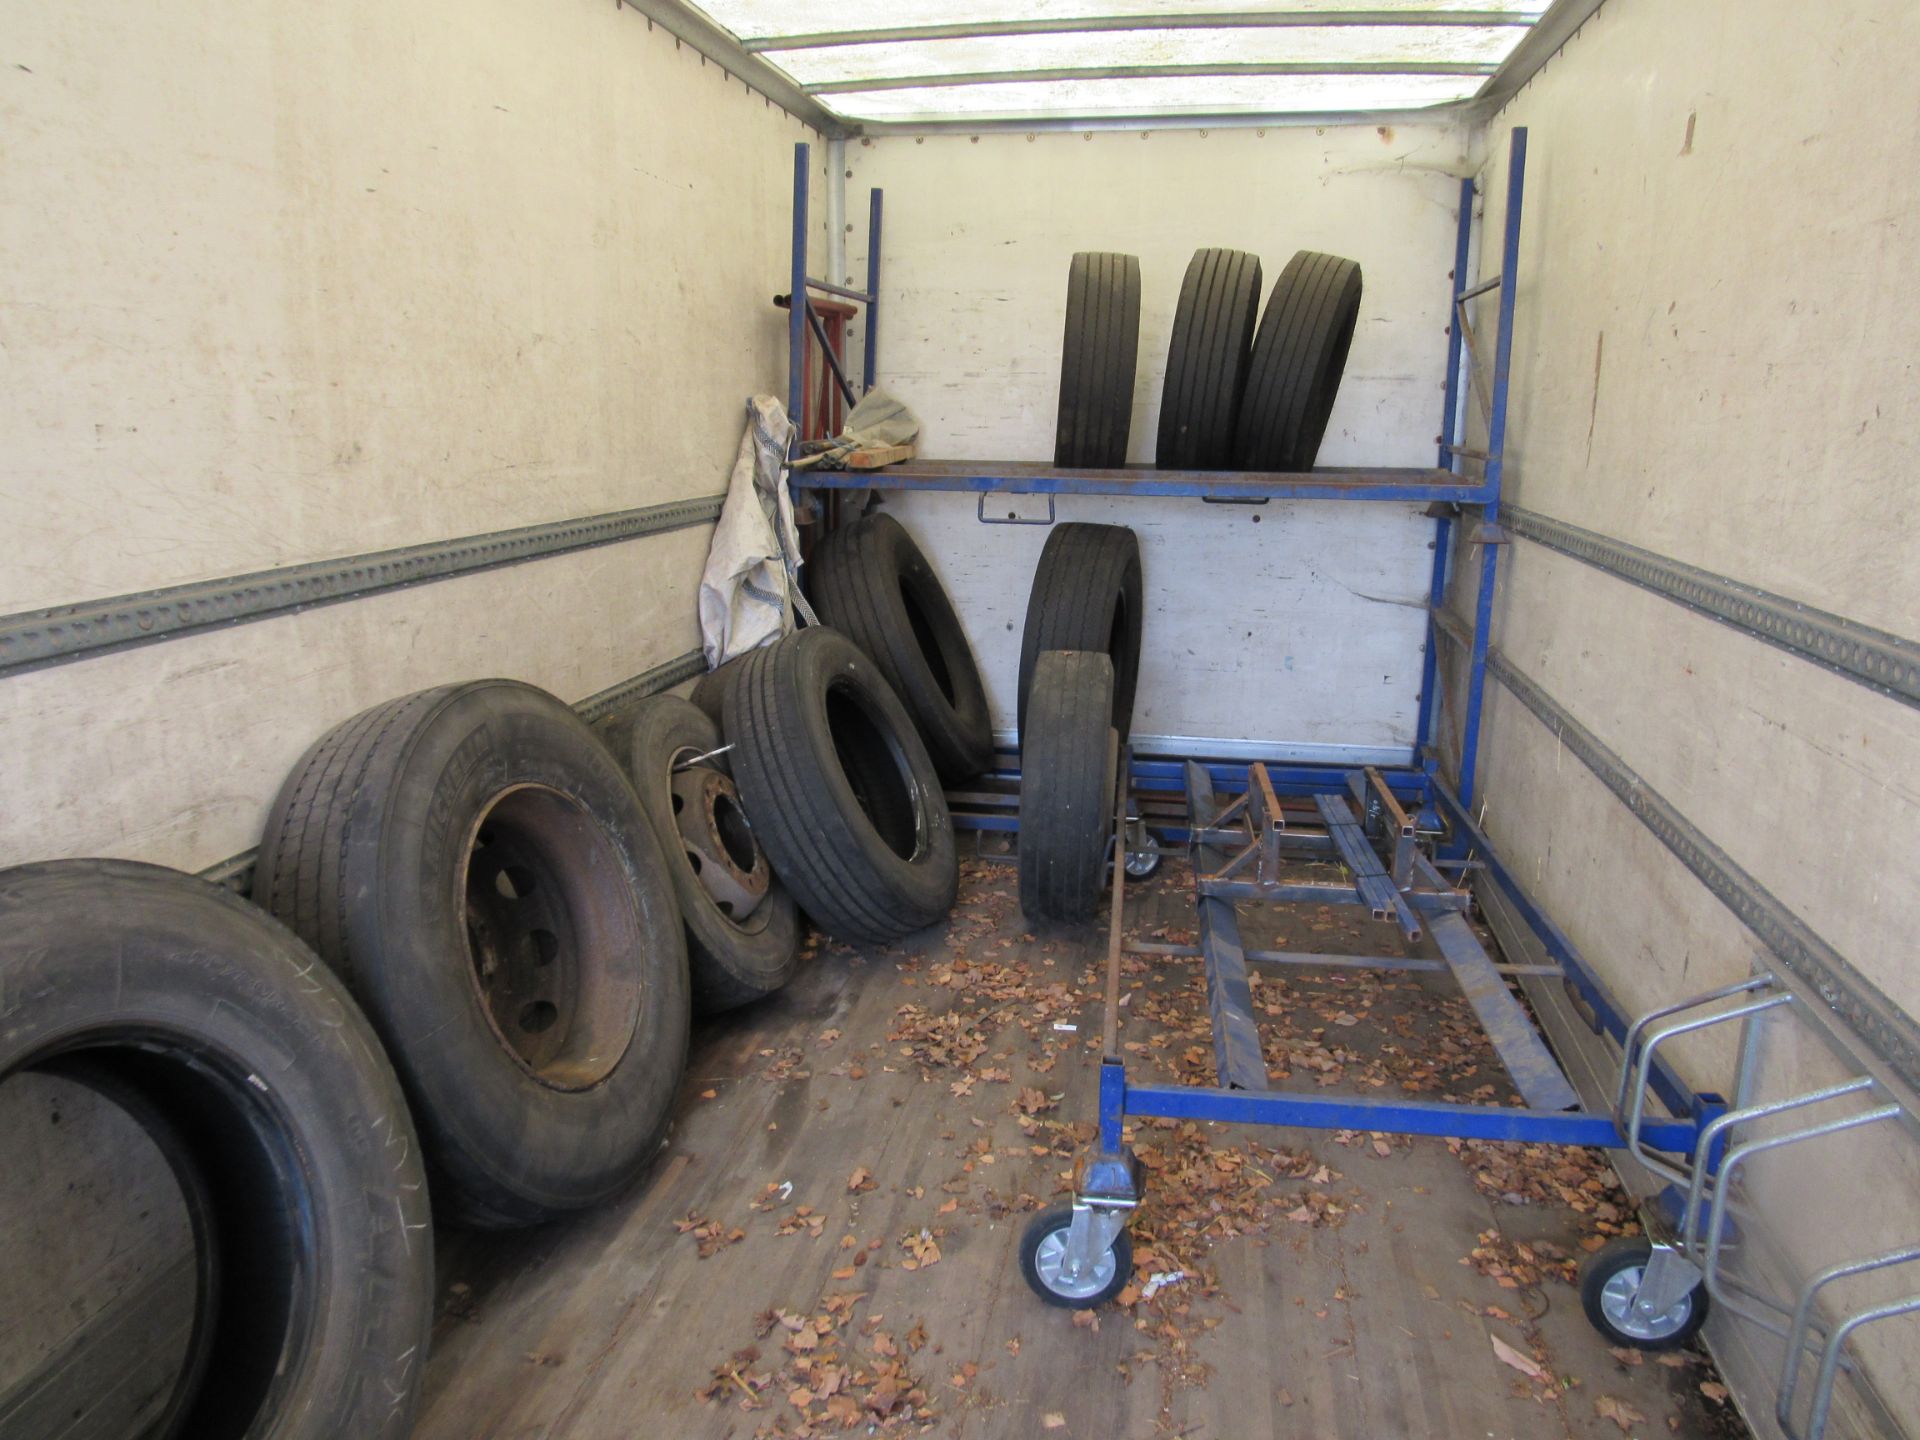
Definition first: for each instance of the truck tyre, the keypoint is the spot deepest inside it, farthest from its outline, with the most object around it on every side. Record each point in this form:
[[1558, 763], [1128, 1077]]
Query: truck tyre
[[263, 1086], [840, 788], [1086, 596], [743, 933], [1207, 360], [1098, 357], [709, 692], [1299, 355], [1066, 786], [869, 581], [475, 865]]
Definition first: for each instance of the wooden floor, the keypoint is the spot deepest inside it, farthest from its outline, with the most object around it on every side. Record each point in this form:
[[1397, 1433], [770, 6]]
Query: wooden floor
[[829, 1239]]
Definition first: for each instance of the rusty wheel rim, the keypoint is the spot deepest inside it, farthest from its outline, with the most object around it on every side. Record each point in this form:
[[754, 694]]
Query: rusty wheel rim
[[553, 936], [716, 837]]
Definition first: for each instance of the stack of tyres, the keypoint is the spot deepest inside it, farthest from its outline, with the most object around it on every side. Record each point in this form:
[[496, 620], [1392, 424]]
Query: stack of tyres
[[1079, 669]]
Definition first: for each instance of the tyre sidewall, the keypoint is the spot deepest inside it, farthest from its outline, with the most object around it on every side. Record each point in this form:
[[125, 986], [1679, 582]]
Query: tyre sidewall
[[111, 945], [488, 1122], [729, 963]]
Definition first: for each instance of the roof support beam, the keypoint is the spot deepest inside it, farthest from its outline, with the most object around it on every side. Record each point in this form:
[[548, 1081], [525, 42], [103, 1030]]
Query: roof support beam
[[1066, 25], [689, 26], [1141, 72]]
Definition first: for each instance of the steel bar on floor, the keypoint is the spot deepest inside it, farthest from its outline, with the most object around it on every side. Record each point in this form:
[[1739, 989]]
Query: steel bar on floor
[[1515, 1039]]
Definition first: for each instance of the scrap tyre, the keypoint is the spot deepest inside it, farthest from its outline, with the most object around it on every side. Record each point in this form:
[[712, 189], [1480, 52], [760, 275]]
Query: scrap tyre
[[265, 1090], [1207, 361], [1067, 786], [743, 932], [870, 581], [1299, 356], [476, 867], [1608, 1283], [841, 789], [709, 693], [1043, 1249], [1098, 356], [1086, 596]]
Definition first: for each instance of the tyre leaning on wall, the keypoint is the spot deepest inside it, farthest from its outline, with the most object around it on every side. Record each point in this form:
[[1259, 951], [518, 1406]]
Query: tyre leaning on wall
[[264, 1088], [1067, 778], [743, 932], [1099, 353], [1299, 355], [1086, 595], [476, 867], [871, 582], [1207, 361], [840, 789]]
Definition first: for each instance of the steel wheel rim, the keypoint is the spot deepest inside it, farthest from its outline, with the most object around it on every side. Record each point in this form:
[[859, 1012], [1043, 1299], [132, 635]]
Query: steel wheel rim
[[554, 942], [1616, 1303], [1050, 1261]]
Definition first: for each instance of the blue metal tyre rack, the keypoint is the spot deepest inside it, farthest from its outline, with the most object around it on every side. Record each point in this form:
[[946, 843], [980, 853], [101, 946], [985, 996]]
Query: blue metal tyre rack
[[1412, 855]]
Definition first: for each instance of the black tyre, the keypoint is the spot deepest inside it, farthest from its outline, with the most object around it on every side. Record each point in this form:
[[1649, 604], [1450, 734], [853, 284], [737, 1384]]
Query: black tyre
[[1207, 360], [476, 867], [1299, 355], [709, 692], [1087, 596], [1043, 1252], [869, 581], [841, 790], [1098, 357], [262, 1085], [1609, 1288], [743, 932], [1067, 786]]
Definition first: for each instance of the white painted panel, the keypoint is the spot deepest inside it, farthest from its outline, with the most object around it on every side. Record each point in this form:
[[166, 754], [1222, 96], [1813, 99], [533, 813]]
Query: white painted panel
[[286, 282], [978, 238], [172, 753], [1298, 624]]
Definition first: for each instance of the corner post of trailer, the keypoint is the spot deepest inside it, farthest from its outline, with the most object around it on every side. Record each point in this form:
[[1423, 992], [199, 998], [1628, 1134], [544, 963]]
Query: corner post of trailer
[[797, 296], [1427, 724], [870, 361], [1496, 466]]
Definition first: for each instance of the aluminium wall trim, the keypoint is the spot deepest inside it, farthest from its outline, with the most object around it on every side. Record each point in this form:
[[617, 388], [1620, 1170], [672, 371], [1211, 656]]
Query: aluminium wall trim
[[236, 871], [1887, 1030], [34, 639], [1881, 661], [687, 24]]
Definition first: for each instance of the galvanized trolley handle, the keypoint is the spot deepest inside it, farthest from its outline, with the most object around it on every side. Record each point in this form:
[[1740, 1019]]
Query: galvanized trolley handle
[[1694, 1257]]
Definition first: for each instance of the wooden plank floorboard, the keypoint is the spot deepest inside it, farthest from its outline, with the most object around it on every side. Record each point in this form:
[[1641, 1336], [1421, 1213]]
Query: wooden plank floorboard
[[603, 1328]]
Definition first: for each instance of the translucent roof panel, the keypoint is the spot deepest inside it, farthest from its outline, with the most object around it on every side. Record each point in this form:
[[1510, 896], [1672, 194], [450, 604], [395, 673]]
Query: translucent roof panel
[[931, 60], [758, 18], [1162, 95], [1370, 45]]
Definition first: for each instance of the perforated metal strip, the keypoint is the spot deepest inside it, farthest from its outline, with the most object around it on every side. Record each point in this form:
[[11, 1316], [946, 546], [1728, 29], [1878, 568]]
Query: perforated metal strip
[[1887, 663]]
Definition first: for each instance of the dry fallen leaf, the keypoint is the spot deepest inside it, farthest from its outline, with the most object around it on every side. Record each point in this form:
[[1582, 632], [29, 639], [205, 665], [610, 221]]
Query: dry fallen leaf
[[1053, 1420], [1714, 1391], [1507, 1355], [1619, 1412]]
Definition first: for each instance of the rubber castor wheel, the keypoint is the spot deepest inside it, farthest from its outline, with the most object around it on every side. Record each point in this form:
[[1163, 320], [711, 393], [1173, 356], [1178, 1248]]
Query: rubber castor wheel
[[743, 932], [1098, 357], [1609, 1290], [1043, 1263], [840, 788], [872, 583], [1086, 595], [473, 862], [266, 1093], [1299, 356], [1207, 361]]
